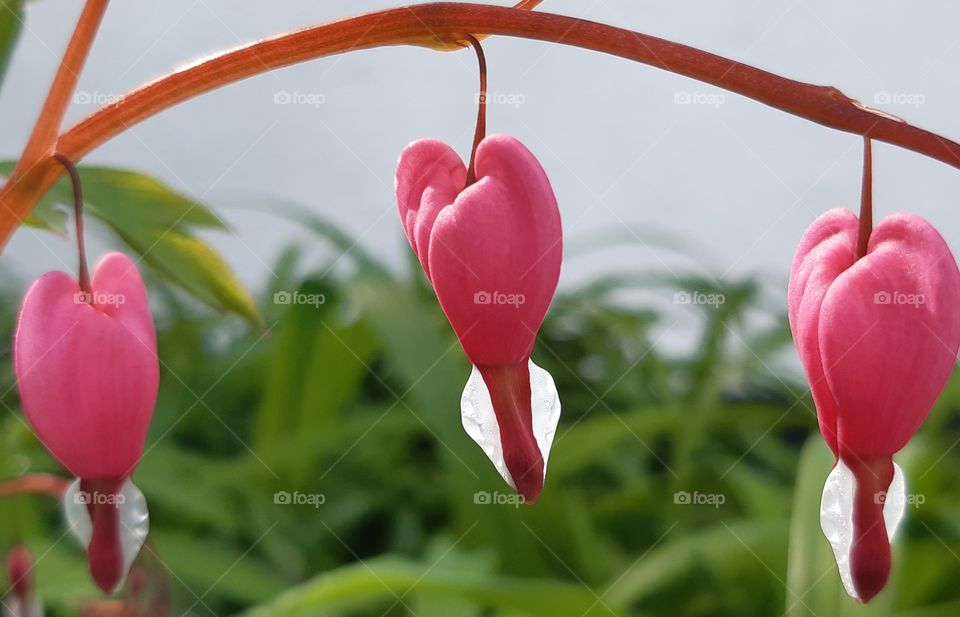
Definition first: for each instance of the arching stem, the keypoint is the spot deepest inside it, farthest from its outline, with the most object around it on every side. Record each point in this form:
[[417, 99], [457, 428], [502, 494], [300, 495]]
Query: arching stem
[[481, 130], [35, 484], [47, 128], [82, 272], [441, 25], [866, 200]]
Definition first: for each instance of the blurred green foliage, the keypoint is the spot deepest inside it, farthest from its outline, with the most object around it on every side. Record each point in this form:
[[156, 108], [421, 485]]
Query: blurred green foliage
[[354, 401]]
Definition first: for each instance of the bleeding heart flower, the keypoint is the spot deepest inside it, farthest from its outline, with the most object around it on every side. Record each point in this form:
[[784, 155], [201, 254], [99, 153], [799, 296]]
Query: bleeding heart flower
[[22, 600], [492, 251], [87, 370], [878, 338]]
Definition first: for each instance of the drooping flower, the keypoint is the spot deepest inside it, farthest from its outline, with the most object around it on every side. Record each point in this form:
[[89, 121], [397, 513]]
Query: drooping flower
[[87, 371], [492, 251], [878, 337], [22, 600]]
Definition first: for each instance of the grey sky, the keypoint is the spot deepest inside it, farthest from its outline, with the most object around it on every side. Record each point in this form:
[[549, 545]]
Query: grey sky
[[738, 179]]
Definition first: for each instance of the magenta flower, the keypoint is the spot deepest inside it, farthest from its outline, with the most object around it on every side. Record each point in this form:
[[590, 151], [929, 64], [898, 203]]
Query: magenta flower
[[21, 601], [87, 370], [492, 251], [878, 338]]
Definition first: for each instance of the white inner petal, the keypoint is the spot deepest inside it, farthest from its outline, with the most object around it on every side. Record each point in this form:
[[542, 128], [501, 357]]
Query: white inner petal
[[480, 421], [836, 515], [134, 520], [13, 606]]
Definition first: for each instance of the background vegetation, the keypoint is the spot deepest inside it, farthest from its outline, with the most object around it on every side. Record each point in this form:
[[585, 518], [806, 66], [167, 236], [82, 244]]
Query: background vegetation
[[354, 401]]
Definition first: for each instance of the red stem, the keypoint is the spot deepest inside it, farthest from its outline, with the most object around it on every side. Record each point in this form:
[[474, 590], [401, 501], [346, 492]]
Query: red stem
[[45, 131], [509, 387], [104, 553], [83, 274], [481, 129], [37, 483], [870, 552], [441, 25], [866, 200]]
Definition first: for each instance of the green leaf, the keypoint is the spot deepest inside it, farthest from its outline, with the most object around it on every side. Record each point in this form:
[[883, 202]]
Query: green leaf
[[157, 223], [11, 23], [321, 356], [813, 583], [722, 548], [387, 578], [197, 267], [221, 570]]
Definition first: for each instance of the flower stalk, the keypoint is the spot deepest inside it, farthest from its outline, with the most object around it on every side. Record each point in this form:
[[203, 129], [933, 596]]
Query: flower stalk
[[83, 273], [481, 130], [866, 200]]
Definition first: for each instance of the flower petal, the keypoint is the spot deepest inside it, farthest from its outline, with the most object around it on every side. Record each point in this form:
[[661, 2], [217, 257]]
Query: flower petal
[[889, 334], [429, 177], [495, 254], [88, 373], [826, 250]]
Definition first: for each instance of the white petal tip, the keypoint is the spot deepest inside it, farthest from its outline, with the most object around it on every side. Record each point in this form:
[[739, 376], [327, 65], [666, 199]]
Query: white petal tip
[[836, 515], [480, 421], [134, 520]]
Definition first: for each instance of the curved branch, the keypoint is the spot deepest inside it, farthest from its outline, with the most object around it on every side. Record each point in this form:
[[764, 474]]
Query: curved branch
[[443, 25], [36, 483], [45, 132]]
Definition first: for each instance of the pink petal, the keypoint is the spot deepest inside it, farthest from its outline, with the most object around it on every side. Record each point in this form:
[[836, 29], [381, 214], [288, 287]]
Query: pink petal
[[827, 249], [886, 363], [495, 254], [429, 177], [492, 252], [88, 375]]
